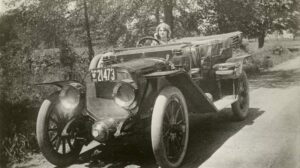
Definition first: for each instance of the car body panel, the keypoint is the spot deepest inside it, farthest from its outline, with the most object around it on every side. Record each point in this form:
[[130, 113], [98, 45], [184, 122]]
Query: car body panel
[[192, 92], [103, 108]]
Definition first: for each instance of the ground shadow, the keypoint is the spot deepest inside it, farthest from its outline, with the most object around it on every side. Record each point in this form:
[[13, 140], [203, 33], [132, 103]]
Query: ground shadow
[[115, 157], [207, 133], [275, 79]]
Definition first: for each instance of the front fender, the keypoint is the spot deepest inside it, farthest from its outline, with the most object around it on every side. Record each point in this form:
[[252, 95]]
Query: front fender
[[197, 101], [61, 84], [55, 96], [240, 61]]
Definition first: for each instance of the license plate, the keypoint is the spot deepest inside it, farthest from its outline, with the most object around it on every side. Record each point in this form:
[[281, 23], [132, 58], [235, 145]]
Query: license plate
[[103, 74]]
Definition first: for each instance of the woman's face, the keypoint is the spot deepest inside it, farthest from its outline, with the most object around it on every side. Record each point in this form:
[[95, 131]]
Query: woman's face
[[163, 33]]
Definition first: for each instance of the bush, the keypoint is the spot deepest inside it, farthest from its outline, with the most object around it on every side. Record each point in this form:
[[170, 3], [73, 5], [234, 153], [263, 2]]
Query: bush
[[20, 98], [14, 148], [17, 131], [266, 57]]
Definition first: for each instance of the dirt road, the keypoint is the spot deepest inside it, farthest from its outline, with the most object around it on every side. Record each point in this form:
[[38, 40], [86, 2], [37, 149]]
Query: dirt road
[[269, 137]]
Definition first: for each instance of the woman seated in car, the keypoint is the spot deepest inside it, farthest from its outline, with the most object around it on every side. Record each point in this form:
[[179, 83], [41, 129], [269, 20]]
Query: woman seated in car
[[162, 33]]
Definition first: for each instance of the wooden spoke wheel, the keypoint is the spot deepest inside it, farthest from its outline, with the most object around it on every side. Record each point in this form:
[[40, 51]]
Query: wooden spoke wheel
[[59, 148], [241, 106], [170, 128]]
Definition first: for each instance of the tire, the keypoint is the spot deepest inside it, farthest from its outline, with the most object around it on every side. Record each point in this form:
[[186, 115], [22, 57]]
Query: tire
[[240, 108], [58, 150], [170, 134]]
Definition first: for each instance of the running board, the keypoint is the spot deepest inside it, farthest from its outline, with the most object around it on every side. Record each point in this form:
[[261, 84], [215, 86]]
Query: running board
[[225, 101]]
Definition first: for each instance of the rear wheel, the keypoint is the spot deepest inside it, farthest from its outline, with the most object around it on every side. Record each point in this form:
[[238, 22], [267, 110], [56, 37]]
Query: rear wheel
[[170, 128], [241, 106], [59, 149]]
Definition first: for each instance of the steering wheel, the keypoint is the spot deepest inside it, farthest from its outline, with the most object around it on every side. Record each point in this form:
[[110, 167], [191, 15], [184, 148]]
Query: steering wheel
[[147, 41]]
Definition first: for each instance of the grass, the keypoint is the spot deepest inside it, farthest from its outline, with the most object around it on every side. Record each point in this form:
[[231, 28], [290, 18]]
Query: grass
[[274, 52], [271, 46]]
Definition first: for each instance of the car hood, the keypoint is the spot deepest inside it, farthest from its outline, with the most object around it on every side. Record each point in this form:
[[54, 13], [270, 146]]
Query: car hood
[[143, 65], [99, 100], [140, 56]]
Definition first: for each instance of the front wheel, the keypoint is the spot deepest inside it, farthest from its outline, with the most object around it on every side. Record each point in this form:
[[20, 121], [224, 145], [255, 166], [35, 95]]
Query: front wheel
[[241, 106], [170, 128], [58, 149]]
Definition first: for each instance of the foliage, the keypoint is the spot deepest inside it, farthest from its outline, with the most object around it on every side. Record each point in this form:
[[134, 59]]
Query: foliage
[[23, 63], [13, 148], [260, 54], [7, 31], [111, 21], [256, 18], [16, 131], [195, 18]]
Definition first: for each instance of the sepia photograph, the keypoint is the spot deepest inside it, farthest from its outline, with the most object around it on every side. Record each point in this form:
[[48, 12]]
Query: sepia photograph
[[150, 83]]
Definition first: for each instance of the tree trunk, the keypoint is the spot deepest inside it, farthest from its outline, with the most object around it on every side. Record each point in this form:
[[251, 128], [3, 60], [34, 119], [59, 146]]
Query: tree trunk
[[88, 33], [157, 14], [261, 40], [168, 8]]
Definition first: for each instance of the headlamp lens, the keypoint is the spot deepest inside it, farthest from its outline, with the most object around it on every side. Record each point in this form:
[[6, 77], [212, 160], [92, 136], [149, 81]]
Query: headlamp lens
[[69, 97], [124, 94]]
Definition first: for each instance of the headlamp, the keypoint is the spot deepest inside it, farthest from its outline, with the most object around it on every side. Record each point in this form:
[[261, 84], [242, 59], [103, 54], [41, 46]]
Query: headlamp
[[124, 95], [69, 98]]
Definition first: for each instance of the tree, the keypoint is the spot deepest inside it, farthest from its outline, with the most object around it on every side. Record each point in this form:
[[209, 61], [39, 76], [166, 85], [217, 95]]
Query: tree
[[256, 18], [88, 33], [194, 17], [273, 16], [168, 12]]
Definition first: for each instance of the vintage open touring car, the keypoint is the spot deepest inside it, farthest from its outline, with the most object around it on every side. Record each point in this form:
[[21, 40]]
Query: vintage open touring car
[[147, 91]]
